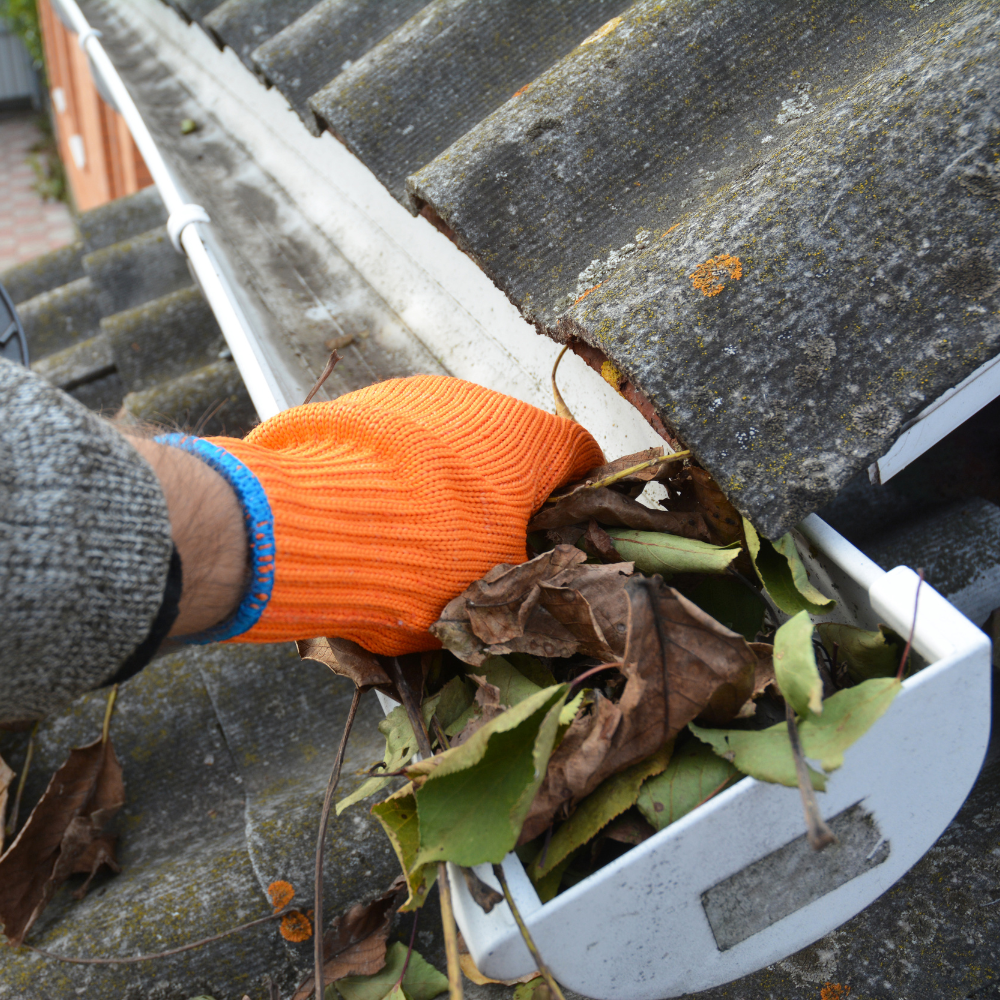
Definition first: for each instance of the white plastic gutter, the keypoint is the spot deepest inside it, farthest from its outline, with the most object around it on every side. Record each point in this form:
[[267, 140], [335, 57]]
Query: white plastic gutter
[[183, 221]]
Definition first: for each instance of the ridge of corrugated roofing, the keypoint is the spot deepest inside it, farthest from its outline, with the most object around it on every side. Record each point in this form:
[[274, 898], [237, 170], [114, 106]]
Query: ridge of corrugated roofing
[[776, 223], [116, 320]]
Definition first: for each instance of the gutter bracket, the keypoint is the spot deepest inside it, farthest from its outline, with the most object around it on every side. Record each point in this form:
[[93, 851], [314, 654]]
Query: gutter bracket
[[180, 218]]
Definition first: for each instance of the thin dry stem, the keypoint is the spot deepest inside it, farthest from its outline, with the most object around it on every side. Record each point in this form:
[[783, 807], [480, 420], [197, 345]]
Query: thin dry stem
[[162, 954], [335, 356], [615, 476], [820, 835], [450, 934], [562, 410], [543, 969], [16, 807], [324, 820], [109, 708], [913, 626]]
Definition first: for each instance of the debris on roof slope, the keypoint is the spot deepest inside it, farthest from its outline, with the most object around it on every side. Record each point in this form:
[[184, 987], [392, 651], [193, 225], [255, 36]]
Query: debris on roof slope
[[831, 169], [226, 752]]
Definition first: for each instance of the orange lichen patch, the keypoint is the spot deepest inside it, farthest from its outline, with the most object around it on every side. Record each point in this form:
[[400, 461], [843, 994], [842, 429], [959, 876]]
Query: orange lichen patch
[[834, 991], [672, 228], [611, 375], [296, 927], [281, 894], [523, 90], [587, 292], [711, 277], [604, 29]]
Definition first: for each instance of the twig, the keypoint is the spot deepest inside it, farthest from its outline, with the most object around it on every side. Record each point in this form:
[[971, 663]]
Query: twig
[[163, 954], [450, 934], [409, 950], [320, 841], [913, 625], [526, 934], [412, 710], [562, 410], [623, 474], [820, 835], [109, 708], [16, 807], [442, 736], [335, 356], [593, 670], [205, 417]]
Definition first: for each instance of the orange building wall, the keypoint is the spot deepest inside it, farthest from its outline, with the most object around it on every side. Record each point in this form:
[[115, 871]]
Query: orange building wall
[[86, 126]]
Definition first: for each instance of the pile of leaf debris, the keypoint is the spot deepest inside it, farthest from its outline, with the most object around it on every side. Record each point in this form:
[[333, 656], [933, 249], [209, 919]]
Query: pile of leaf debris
[[632, 668]]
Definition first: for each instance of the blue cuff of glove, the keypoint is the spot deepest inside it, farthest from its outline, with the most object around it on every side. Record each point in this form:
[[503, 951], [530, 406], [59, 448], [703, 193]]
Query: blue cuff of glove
[[260, 535]]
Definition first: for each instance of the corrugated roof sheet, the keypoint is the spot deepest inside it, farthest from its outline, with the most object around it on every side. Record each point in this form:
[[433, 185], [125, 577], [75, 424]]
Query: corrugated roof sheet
[[116, 320], [779, 222]]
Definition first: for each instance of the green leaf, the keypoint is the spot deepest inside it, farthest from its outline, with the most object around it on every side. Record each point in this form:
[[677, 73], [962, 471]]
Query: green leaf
[[767, 754], [610, 799], [547, 885], [865, 654], [532, 668], [781, 570], [655, 552], [731, 603], [533, 989], [398, 816], [452, 701], [514, 686], [472, 800], [421, 982], [695, 773], [400, 746], [795, 665], [571, 708]]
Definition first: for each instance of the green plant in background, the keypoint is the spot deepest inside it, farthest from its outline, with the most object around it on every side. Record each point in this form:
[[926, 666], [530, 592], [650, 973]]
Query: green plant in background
[[50, 174], [22, 18]]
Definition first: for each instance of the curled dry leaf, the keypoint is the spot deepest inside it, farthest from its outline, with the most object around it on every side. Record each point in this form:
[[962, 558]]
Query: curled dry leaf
[[355, 943], [487, 701], [553, 605], [347, 659], [609, 507], [63, 835], [597, 542], [695, 491], [676, 660], [485, 896]]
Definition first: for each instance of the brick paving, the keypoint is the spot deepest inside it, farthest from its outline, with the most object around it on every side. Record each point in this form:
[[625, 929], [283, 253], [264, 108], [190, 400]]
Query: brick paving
[[28, 226]]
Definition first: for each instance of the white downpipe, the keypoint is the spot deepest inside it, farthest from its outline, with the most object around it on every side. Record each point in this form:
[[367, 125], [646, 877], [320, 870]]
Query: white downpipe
[[182, 224]]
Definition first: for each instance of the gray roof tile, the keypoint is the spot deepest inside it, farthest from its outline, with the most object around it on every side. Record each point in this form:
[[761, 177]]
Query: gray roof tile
[[436, 76]]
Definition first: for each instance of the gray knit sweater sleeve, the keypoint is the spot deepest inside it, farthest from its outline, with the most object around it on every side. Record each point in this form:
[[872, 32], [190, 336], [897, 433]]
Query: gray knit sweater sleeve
[[85, 547]]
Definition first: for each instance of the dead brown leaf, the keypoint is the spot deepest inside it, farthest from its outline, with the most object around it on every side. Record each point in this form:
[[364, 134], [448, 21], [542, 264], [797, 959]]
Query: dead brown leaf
[[6, 777], [609, 507], [485, 896], [553, 605], [629, 828], [696, 492], [347, 659], [764, 669], [60, 835], [355, 943], [675, 660], [488, 700], [597, 542]]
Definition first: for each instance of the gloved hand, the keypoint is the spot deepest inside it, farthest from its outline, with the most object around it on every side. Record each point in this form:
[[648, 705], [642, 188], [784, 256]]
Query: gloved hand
[[367, 514]]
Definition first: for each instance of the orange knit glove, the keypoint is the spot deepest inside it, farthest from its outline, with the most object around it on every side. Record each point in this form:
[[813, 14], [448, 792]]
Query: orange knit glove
[[385, 504]]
